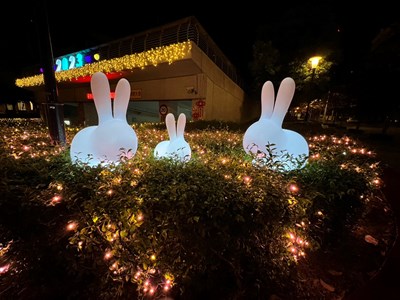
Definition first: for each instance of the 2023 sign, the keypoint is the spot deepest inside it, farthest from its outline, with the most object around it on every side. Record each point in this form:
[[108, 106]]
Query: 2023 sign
[[69, 62]]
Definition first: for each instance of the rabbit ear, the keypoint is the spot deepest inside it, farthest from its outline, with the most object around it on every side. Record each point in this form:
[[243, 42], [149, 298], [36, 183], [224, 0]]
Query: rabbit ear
[[267, 100], [283, 100], [170, 123], [180, 128], [101, 95], [121, 100]]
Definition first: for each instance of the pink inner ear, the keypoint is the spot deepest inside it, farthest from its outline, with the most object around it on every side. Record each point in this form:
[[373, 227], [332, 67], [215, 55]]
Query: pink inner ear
[[121, 101], [170, 123], [267, 100], [181, 125], [101, 94], [283, 100]]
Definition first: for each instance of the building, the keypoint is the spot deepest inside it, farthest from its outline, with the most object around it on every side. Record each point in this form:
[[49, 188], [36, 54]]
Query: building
[[174, 68], [17, 103]]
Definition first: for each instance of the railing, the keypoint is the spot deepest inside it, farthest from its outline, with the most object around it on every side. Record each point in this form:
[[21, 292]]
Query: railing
[[182, 30], [179, 31]]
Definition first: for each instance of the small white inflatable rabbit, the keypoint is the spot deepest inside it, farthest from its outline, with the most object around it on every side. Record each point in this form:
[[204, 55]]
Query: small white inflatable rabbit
[[267, 132], [176, 148], [105, 143]]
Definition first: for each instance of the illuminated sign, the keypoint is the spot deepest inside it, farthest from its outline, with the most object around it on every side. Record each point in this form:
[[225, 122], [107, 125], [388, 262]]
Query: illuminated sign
[[89, 96], [135, 94], [75, 60]]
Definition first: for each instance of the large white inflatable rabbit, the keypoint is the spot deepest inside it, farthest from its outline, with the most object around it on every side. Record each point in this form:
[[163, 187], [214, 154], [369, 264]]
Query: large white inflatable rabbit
[[113, 137], [267, 132], [176, 147]]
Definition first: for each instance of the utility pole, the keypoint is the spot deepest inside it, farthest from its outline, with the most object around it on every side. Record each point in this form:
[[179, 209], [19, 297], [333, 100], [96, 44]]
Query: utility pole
[[53, 110], [309, 101], [326, 108]]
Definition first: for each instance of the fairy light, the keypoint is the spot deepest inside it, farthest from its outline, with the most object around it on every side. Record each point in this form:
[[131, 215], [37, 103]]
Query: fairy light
[[72, 226], [153, 57], [315, 156], [108, 255], [4, 269], [293, 188], [137, 275], [114, 265], [56, 199], [247, 179], [296, 242], [153, 257], [296, 245]]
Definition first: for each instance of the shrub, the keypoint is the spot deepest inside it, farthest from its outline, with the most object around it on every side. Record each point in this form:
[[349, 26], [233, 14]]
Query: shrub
[[217, 225]]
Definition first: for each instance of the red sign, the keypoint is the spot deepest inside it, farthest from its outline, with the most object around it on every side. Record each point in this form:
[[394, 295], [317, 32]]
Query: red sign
[[201, 103], [163, 110], [89, 96]]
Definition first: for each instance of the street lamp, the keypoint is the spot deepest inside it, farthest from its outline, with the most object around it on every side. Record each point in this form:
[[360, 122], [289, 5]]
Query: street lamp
[[314, 61]]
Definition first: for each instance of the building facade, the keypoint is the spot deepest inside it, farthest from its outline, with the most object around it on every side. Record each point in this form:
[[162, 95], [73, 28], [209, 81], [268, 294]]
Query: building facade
[[176, 68]]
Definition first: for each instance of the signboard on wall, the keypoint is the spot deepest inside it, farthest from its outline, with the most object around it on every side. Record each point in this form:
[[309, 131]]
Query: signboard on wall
[[136, 94], [163, 110], [198, 109], [75, 60]]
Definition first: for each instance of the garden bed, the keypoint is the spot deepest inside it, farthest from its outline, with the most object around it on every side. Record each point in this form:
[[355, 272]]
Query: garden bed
[[216, 226]]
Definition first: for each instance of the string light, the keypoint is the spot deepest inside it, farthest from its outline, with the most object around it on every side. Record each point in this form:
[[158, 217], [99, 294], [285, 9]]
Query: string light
[[153, 57], [72, 226], [296, 243]]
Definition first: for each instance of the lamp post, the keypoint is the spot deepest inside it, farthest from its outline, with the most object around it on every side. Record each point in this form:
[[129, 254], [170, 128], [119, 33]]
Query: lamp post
[[326, 108], [53, 110], [314, 61]]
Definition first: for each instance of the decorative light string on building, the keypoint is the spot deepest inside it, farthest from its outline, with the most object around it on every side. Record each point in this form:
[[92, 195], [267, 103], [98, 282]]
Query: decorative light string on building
[[153, 57]]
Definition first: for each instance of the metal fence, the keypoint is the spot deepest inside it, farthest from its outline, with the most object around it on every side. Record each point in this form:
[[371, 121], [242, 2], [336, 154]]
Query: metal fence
[[182, 30]]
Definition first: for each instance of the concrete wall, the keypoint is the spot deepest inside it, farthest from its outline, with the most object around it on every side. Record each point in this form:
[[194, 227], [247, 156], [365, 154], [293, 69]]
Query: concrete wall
[[197, 78], [224, 98]]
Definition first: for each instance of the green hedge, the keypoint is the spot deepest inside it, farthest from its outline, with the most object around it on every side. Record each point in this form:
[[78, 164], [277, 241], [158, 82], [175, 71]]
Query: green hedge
[[216, 226]]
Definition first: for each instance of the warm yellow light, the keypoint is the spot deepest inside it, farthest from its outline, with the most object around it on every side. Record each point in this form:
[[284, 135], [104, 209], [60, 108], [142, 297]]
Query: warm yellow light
[[314, 61], [153, 57]]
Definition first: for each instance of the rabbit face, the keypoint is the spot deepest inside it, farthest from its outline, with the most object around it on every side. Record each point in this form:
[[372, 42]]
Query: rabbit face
[[176, 148], [267, 137], [103, 144]]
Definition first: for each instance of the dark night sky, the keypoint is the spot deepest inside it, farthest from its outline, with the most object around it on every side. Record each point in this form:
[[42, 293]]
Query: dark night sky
[[76, 26]]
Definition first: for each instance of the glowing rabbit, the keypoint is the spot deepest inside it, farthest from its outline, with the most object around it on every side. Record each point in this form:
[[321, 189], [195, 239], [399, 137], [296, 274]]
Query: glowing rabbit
[[288, 146], [103, 144], [176, 147]]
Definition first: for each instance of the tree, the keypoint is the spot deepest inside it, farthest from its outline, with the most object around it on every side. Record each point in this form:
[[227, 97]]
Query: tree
[[285, 43], [265, 64]]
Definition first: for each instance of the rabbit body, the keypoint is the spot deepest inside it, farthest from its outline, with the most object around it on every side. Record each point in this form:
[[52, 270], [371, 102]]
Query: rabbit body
[[176, 147], [267, 133], [104, 143]]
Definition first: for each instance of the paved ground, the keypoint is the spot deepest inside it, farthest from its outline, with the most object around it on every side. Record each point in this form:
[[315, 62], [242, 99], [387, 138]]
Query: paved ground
[[386, 285]]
